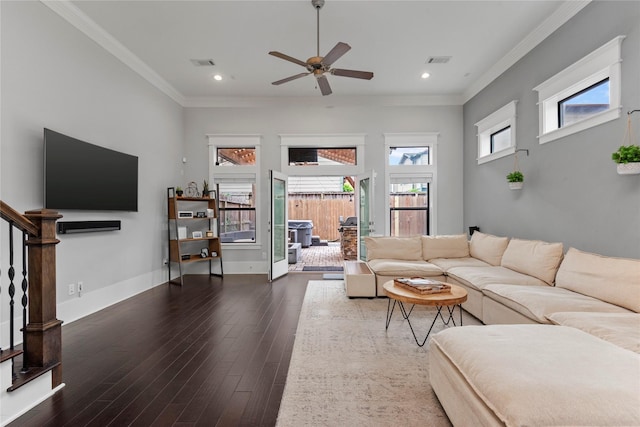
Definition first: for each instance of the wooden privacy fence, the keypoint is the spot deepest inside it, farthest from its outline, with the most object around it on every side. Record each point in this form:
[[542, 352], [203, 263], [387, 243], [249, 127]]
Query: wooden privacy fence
[[324, 209]]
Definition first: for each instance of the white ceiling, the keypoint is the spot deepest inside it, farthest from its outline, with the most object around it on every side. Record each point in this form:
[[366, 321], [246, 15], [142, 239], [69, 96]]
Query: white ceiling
[[393, 39]]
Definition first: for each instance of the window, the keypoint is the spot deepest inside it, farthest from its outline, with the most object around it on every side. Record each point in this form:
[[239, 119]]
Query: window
[[234, 156], [497, 134], [583, 104], [409, 155], [583, 95], [410, 178], [306, 156], [236, 205], [408, 207], [234, 172], [322, 155]]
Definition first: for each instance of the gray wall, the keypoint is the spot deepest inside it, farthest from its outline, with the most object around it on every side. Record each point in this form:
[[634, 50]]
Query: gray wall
[[54, 76], [572, 193], [309, 118]]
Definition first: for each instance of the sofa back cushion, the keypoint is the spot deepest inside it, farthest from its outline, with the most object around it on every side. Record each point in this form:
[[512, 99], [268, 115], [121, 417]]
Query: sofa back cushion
[[454, 246], [404, 248], [533, 257], [488, 248], [614, 280]]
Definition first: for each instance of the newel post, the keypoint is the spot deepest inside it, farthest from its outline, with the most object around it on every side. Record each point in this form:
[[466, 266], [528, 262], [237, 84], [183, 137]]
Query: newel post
[[44, 330]]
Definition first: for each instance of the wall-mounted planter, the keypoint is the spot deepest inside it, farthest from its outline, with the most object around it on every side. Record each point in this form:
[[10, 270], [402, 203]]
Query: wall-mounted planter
[[516, 185], [631, 168]]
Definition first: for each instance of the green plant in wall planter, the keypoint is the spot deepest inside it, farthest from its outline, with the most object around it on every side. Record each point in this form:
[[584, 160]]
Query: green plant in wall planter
[[516, 180], [628, 159]]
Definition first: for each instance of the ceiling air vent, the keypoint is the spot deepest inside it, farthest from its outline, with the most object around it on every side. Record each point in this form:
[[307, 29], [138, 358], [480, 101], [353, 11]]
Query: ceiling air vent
[[437, 60], [203, 62]]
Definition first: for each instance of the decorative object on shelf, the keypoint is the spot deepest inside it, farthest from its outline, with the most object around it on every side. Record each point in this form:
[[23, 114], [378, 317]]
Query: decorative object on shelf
[[204, 252], [516, 178], [201, 214], [182, 233], [192, 190], [209, 233], [627, 157], [179, 191], [205, 189], [185, 214], [196, 235]]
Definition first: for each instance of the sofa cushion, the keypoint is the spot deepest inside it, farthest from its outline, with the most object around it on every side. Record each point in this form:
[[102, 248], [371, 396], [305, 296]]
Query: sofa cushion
[[615, 280], [622, 329], [402, 268], [545, 375], [448, 263], [479, 277], [401, 248], [533, 257], [447, 246], [538, 302], [487, 247]]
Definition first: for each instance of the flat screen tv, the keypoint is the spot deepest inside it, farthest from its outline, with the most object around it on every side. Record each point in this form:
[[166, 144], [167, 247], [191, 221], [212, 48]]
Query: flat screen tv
[[83, 176]]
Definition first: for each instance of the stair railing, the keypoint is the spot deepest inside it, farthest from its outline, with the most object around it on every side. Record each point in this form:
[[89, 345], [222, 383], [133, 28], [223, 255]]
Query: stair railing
[[41, 330]]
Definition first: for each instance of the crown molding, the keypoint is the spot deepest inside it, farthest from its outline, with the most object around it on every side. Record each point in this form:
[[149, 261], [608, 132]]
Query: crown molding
[[86, 25], [324, 101], [565, 11]]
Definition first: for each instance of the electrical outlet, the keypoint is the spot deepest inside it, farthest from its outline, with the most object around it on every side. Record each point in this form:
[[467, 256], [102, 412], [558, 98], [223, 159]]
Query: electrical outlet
[[72, 289], [165, 261], [79, 289]]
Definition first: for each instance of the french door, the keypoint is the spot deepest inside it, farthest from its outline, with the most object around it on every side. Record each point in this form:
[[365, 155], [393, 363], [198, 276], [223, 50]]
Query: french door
[[366, 223], [278, 228]]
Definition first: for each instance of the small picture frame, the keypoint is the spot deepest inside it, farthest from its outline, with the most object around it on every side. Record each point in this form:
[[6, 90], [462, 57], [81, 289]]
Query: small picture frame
[[204, 252], [201, 214], [196, 235]]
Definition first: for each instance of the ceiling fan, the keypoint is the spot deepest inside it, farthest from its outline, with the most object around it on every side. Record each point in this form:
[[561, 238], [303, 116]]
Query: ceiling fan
[[319, 65]]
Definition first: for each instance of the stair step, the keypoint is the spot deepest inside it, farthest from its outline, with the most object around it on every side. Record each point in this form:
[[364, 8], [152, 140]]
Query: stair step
[[33, 373], [9, 354]]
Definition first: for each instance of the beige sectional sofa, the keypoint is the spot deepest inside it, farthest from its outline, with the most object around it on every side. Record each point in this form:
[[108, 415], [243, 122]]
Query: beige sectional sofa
[[562, 345]]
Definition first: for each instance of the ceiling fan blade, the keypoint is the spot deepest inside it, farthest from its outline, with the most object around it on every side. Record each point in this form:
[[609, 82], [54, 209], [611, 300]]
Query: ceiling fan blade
[[323, 84], [288, 79], [367, 75], [287, 58], [335, 53]]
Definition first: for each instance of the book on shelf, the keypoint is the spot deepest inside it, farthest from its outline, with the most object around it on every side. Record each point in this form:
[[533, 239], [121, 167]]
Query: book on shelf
[[422, 285]]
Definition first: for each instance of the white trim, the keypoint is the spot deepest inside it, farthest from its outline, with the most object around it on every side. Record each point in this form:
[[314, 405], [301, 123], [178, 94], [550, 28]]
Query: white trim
[[322, 140], [426, 172], [565, 11], [247, 173], [91, 29], [327, 101], [604, 62], [502, 118]]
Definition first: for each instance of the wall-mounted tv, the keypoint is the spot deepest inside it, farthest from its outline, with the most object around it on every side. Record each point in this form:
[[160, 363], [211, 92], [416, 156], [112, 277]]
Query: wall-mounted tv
[[83, 176]]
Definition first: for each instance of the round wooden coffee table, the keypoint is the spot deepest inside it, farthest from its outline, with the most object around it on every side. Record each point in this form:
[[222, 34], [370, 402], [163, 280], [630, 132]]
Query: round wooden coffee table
[[400, 296]]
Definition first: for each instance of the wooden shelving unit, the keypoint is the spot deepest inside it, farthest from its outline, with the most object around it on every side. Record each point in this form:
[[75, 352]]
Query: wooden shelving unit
[[182, 214]]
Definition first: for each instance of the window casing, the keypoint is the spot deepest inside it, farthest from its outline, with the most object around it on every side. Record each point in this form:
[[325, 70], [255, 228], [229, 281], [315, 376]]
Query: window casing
[[341, 154], [411, 182], [238, 187], [601, 70], [497, 134]]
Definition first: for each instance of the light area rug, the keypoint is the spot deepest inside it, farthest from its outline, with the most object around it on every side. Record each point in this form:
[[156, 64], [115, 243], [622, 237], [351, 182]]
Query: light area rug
[[347, 370]]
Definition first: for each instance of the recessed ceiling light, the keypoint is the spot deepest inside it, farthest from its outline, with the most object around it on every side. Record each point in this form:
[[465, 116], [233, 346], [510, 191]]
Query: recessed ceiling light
[[425, 75], [217, 77]]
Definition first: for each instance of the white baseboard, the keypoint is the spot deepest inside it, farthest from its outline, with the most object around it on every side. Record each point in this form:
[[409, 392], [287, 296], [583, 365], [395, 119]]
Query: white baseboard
[[90, 302]]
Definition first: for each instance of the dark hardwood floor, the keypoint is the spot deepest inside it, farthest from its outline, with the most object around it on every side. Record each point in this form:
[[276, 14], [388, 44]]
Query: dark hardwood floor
[[213, 353]]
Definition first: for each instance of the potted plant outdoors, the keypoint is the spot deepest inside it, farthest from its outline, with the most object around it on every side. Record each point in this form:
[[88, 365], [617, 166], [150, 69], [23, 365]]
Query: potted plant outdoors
[[628, 159], [205, 189], [516, 180], [179, 191]]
